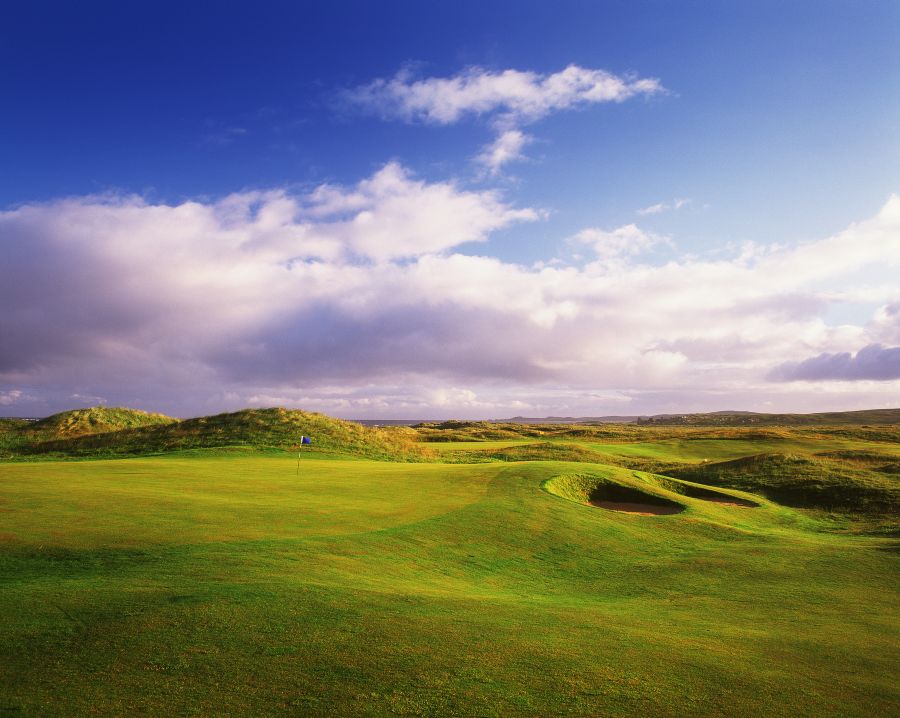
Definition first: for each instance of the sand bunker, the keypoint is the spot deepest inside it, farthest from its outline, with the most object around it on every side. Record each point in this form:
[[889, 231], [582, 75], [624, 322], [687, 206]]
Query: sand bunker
[[608, 491], [730, 501], [640, 509], [605, 491], [616, 497]]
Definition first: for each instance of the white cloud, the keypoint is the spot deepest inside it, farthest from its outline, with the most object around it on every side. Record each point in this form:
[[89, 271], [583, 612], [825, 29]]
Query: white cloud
[[885, 325], [10, 397], [264, 296], [624, 241], [508, 99], [507, 147], [664, 206], [513, 96], [393, 215]]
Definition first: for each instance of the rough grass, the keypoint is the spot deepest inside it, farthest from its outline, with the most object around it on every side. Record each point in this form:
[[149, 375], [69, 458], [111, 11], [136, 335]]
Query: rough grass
[[824, 483], [94, 420], [459, 431], [252, 428], [18, 436], [748, 418], [540, 451]]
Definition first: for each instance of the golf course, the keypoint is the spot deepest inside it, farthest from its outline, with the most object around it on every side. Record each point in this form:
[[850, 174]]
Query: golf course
[[202, 568]]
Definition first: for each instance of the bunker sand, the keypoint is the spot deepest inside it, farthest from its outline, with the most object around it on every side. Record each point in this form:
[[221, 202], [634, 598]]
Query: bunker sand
[[639, 509]]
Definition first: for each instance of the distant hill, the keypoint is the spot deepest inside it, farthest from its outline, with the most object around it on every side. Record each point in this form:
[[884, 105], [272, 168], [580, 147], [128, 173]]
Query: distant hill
[[82, 433], [573, 420], [713, 418], [102, 431], [749, 418]]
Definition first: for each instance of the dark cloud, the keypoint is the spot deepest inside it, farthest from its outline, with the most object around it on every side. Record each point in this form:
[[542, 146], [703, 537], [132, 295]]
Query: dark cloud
[[256, 299], [325, 344], [873, 362]]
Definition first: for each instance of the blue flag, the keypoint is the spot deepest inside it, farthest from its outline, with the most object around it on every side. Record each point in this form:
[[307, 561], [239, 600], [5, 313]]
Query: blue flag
[[305, 440]]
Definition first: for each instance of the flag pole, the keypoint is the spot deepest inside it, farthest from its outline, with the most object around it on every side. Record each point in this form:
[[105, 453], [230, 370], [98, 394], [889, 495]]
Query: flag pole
[[303, 440]]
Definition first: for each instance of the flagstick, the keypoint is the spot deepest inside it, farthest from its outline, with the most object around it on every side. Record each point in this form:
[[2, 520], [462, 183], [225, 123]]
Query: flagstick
[[300, 452]]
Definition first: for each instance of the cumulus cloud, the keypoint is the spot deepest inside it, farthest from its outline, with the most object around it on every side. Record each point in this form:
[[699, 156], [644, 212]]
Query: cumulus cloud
[[664, 206], [10, 397], [872, 362], [393, 215], [627, 240], [506, 148], [885, 325], [357, 300], [508, 99]]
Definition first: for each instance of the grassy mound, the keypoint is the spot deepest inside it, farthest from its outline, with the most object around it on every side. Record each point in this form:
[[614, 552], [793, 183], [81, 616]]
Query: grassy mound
[[807, 482], [693, 491], [251, 428], [705, 494], [610, 488], [19, 436], [12, 435], [455, 430], [95, 420]]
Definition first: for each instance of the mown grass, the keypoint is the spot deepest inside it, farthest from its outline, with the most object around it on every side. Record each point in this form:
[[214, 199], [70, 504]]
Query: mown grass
[[222, 581]]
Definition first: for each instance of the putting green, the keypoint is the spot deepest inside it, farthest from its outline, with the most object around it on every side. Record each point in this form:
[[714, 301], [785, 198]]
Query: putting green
[[137, 502]]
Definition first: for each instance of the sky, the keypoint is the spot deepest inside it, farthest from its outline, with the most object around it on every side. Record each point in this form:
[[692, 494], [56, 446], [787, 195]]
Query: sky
[[436, 210]]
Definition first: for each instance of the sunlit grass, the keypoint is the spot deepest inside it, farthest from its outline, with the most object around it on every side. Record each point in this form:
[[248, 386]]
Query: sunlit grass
[[231, 585]]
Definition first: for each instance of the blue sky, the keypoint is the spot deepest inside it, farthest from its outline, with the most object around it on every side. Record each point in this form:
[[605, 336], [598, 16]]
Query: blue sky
[[771, 126]]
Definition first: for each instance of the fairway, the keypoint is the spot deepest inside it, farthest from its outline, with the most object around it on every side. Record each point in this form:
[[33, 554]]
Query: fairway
[[229, 584]]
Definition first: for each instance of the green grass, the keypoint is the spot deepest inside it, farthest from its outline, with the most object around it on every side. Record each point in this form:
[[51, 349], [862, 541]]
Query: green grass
[[218, 581]]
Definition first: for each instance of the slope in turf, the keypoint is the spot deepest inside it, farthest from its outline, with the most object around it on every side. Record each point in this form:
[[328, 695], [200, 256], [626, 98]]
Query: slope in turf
[[228, 586], [232, 584], [636, 492]]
